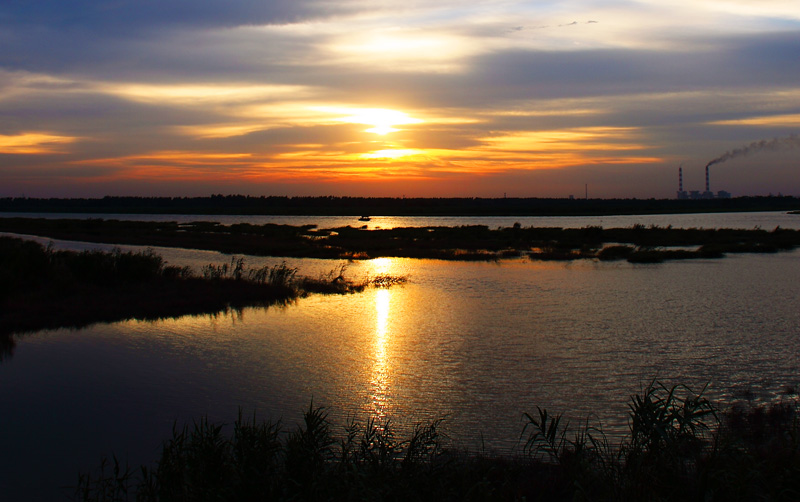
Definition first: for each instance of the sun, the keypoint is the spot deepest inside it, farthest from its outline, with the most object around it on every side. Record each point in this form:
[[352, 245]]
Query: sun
[[391, 154], [382, 129], [382, 120]]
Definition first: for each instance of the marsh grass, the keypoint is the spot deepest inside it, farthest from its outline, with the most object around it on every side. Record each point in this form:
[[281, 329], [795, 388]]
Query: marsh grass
[[386, 280], [331, 282], [679, 447], [279, 276], [46, 288], [465, 243], [264, 461], [335, 282], [42, 288]]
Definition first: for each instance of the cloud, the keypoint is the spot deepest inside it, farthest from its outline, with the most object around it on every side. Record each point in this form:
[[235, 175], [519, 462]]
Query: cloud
[[246, 83], [33, 143], [780, 120], [131, 16]]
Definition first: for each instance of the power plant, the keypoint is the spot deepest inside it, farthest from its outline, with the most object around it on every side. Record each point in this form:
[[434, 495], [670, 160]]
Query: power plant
[[696, 194], [791, 141]]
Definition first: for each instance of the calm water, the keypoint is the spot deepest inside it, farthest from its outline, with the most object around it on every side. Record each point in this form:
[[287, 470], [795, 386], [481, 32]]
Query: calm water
[[478, 343]]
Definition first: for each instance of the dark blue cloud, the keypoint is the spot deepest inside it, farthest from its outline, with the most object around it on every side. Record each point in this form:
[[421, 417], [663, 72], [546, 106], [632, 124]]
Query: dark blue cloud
[[120, 38], [768, 56], [736, 62], [129, 15]]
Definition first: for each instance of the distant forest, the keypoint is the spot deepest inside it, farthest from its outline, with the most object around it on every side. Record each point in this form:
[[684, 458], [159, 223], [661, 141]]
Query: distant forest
[[387, 206]]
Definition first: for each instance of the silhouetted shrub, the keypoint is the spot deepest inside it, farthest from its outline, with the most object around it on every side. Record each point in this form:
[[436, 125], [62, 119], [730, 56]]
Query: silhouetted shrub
[[679, 447]]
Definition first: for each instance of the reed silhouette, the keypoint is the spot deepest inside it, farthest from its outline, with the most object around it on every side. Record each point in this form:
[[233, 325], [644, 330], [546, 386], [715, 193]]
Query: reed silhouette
[[679, 446], [42, 288]]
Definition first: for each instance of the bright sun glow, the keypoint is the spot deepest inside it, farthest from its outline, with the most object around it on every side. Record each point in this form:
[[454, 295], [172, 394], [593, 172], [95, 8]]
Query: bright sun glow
[[383, 120], [391, 154], [382, 129]]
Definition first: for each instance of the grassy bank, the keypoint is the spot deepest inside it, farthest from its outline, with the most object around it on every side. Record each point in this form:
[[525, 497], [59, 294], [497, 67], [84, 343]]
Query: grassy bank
[[44, 288], [638, 244], [679, 447]]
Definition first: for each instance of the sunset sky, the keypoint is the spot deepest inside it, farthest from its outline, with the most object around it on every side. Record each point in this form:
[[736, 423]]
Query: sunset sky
[[392, 98]]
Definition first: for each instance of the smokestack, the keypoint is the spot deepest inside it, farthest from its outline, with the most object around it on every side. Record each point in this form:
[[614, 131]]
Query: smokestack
[[707, 188], [681, 194]]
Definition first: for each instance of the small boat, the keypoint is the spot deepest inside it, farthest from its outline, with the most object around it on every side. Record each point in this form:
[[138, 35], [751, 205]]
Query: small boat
[[364, 218]]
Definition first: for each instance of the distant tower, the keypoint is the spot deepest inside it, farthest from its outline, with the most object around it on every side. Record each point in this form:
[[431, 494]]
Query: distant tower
[[681, 193], [707, 194]]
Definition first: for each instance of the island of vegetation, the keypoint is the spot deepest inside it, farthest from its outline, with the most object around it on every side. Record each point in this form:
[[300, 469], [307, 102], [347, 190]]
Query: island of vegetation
[[639, 243], [679, 447], [42, 288]]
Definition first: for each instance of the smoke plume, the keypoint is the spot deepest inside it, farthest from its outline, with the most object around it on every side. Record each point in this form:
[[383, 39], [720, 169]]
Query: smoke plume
[[758, 146]]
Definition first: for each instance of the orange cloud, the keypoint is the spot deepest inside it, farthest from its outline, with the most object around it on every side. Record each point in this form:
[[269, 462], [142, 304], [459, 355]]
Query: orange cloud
[[789, 120], [382, 160], [34, 143]]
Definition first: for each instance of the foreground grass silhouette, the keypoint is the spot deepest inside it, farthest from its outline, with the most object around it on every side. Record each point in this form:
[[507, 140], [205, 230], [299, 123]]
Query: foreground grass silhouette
[[43, 288], [679, 447]]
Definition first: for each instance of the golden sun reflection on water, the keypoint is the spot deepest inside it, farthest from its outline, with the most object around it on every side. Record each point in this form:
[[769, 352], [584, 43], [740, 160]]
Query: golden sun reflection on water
[[381, 265], [384, 343], [379, 392]]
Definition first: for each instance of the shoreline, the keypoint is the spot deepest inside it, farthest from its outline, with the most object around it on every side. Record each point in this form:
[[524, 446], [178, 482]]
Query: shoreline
[[392, 206]]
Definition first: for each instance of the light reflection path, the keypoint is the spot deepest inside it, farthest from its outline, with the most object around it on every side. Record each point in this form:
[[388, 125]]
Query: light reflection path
[[381, 368], [381, 371]]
